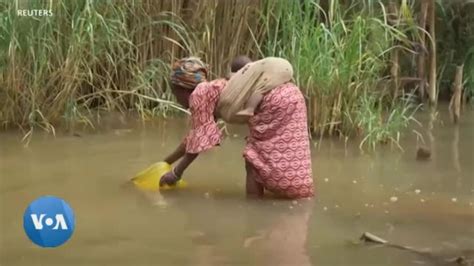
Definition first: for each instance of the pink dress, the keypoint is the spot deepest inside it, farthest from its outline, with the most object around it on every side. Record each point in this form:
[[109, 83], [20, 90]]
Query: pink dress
[[204, 133], [278, 144]]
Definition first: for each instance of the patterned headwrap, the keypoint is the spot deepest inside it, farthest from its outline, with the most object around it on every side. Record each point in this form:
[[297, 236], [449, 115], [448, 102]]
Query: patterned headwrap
[[188, 72]]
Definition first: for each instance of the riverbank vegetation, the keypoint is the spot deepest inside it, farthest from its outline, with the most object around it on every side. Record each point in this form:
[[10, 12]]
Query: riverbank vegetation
[[364, 66]]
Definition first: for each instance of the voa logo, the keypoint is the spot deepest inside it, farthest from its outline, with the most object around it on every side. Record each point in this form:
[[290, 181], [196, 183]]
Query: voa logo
[[38, 222], [49, 221]]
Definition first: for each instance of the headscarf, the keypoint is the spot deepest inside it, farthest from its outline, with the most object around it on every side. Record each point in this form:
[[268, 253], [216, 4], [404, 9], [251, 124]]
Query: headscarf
[[188, 72], [256, 77]]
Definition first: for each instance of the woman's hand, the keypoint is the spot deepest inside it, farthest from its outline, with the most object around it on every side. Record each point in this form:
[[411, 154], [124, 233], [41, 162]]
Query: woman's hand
[[169, 179], [174, 175]]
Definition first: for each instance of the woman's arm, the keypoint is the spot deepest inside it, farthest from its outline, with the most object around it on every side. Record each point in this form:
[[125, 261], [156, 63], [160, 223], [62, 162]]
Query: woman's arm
[[188, 158], [177, 154]]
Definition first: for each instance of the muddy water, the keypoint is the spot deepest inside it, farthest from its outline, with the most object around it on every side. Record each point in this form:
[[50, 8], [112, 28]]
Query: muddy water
[[426, 205]]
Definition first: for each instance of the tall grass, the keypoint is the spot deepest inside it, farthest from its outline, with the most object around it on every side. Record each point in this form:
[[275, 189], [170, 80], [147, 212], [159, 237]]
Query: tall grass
[[94, 56], [469, 69], [456, 24], [339, 64], [104, 55]]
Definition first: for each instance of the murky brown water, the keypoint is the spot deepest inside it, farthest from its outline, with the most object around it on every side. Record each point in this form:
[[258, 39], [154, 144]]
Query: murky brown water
[[211, 222]]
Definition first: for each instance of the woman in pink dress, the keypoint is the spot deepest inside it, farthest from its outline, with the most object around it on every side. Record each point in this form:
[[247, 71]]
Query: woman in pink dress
[[193, 91], [277, 154]]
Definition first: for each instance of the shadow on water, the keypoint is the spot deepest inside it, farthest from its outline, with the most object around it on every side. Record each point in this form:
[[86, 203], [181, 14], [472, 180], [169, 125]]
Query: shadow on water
[[425, 205]]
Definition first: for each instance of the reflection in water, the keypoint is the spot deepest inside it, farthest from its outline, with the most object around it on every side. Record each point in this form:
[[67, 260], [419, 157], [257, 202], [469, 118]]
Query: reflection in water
[[211, 222], [455, 148], [255, 232], [282, 240]]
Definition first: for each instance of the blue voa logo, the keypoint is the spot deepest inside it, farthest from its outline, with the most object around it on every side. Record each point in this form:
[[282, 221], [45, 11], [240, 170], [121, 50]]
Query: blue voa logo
[[49, 221]]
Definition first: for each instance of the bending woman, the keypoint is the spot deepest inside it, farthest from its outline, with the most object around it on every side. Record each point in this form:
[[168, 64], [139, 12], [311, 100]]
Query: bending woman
[[192, 90], [277, 154]]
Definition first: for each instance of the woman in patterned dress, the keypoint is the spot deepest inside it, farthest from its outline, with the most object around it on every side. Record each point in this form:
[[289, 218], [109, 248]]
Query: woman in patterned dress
[[193, 91], [277, 154]]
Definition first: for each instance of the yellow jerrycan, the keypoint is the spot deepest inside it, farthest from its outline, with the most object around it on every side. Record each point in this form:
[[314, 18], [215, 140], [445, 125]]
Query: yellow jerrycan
[[149, 179]]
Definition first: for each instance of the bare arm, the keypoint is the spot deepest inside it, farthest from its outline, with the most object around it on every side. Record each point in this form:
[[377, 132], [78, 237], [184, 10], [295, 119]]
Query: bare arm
[[177, 154], [188, 158]]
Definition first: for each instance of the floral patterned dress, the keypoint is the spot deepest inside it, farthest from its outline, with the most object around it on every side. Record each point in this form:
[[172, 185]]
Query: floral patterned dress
[[278, 144], [204, 133]]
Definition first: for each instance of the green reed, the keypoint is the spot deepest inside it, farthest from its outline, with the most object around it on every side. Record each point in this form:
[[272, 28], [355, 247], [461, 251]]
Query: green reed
[[109, 56], [340, 64]]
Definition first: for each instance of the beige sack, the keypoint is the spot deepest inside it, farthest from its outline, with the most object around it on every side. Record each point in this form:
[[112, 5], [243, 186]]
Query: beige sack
[[256, 77]]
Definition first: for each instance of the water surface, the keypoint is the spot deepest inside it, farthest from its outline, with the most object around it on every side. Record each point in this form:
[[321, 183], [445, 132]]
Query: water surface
[[426, 205]]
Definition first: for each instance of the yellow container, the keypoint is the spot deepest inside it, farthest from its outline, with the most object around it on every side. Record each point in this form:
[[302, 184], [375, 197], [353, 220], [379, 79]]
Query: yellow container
[[149, 179]]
